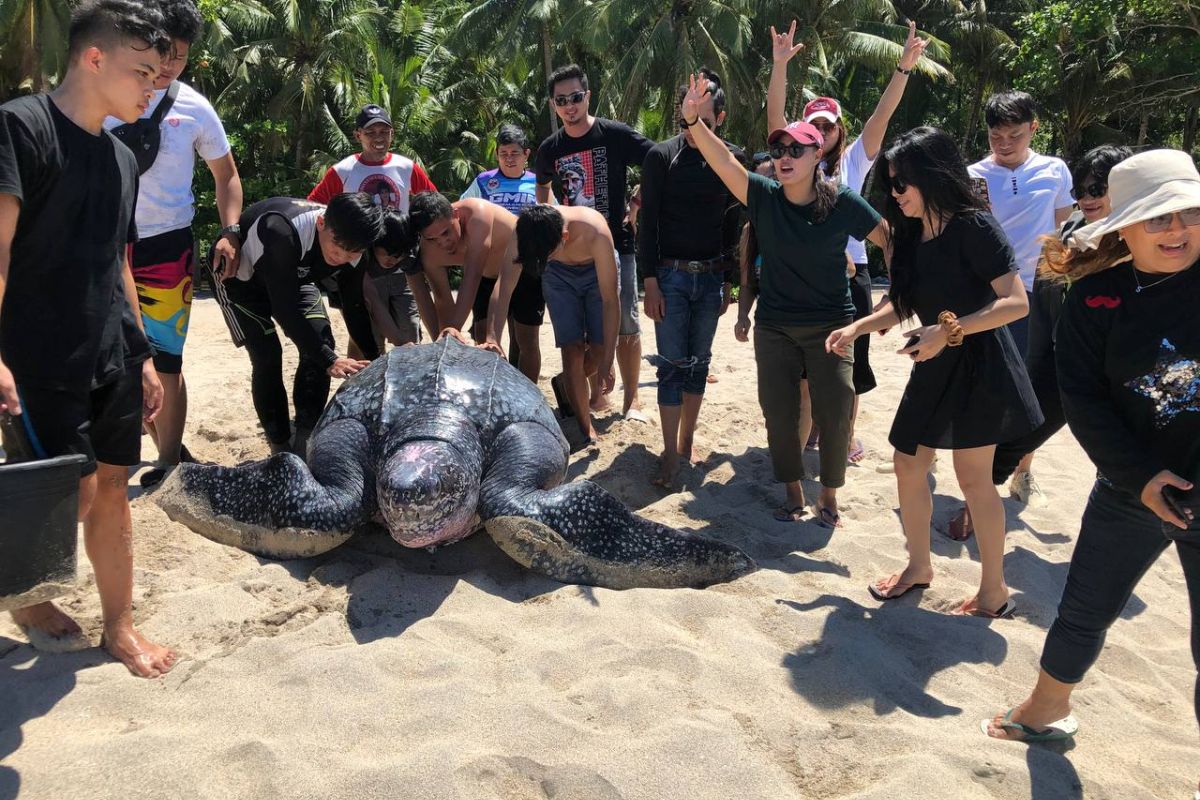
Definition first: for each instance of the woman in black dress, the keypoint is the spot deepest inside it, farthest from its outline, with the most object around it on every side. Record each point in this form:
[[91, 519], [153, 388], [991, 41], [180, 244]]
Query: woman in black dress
[[953, 268]]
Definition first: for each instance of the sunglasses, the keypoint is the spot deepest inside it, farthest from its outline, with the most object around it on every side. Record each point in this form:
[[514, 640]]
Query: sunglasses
[[1190, 217], [1094, 189], [795, 150], [569, 99], [824, 127], [898, 184]]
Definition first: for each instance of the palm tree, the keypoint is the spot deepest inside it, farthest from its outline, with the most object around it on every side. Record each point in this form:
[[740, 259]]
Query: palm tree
[[310, 62], [33, 39]]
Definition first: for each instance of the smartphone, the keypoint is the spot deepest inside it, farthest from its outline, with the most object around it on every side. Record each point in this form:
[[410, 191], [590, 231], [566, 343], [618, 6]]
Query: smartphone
[[1181, 502], [912, 340]]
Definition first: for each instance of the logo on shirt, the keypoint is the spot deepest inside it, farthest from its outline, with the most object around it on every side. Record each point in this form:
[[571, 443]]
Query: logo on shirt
[[173, 122], [383, 191], [493, 184], [1102, 301]]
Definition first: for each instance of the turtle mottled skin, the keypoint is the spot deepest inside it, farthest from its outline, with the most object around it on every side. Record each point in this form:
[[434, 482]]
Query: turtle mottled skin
[[434, 440]]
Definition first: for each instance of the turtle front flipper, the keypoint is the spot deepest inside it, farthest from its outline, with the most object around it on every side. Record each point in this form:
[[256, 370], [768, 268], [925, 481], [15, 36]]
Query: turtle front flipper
[[278, 508], [579, 533]]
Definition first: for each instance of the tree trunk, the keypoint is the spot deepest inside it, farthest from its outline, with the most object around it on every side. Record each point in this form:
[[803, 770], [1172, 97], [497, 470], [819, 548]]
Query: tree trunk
[[968, 135], [1190, 124], [1144, 128], [795, 104], [549, 67]]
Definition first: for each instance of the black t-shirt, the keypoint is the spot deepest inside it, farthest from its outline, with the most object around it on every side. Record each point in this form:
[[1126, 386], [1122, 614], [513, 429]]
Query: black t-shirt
[[61, 324], [590, 170], [974, 241], [687, 211], [1129, 372]]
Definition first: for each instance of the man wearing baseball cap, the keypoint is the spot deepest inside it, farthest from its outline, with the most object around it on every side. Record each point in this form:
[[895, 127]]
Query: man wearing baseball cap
[[390, 179]]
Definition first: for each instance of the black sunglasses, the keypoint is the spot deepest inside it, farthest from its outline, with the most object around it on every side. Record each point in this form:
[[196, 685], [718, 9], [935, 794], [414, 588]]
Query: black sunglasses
[[795, 150], [1094, 189], [569, 99], [898, 184]]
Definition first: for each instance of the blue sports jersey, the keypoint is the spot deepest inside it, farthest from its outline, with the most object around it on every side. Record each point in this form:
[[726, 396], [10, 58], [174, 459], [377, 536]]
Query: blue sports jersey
[[512, 194]]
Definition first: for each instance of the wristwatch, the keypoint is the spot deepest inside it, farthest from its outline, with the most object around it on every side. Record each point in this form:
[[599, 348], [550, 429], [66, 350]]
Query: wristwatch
[[233, 230]]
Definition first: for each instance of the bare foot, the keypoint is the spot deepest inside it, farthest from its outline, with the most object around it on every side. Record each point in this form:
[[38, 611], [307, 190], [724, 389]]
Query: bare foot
[[668, 471], [49, 629], [599, 403], [693, 453], [47, 618], [139, 655], [1033, 715]]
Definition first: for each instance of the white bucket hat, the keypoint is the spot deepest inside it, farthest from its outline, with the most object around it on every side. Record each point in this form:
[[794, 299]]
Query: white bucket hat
[[1142, 187]]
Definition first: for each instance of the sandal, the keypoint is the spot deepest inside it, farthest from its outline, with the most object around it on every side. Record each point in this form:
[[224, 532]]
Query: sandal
[[827, 518], [786, 513], [892, 594], [857, 452], [1065, 728], [1003, 612]]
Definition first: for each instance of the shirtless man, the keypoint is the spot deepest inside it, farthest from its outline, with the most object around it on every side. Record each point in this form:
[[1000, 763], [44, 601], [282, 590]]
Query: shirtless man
[[473, 234], [571, 249]]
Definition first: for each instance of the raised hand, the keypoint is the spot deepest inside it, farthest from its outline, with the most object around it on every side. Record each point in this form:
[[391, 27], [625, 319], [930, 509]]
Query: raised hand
[[782, 48], [914, 47], [689, 109]]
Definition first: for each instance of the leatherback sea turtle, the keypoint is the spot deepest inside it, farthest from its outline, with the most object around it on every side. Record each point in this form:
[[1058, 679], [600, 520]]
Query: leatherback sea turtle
[[432, 440]]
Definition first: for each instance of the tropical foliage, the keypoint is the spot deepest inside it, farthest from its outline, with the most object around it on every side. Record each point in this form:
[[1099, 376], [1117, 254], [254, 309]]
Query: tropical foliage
[[288, 75]]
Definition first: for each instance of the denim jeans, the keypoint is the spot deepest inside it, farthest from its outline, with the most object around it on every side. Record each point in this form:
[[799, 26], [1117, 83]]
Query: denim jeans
[[1119, 539], [685, 335]]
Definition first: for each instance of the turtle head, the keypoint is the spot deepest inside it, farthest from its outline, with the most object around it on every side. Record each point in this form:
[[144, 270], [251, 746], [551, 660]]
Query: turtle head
[[428, 493]]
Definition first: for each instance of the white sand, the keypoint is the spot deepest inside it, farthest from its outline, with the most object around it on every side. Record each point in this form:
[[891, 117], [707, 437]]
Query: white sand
[[378, 672]]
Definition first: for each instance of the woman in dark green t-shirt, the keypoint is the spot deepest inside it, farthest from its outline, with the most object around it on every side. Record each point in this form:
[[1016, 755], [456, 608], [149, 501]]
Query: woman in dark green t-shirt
[[803, 223]]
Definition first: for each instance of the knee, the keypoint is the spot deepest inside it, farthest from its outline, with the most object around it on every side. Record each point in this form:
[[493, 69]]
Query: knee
[[909, 468], [977, 485]]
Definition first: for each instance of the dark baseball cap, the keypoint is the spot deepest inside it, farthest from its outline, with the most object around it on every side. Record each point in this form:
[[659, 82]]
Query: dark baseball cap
[[370, 114]]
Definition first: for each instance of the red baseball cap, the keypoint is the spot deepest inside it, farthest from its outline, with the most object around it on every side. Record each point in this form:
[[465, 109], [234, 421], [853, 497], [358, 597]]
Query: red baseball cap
[[802, 132], [822, 108]]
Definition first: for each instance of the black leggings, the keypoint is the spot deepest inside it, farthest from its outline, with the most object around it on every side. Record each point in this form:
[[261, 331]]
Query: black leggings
[[1045, 306], [1119, 539], [310, 386], [860, 293]]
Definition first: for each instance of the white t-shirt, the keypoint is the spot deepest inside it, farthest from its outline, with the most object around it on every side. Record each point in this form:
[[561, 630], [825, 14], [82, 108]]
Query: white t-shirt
[[165, 202], [852, 175], [1024, 201]]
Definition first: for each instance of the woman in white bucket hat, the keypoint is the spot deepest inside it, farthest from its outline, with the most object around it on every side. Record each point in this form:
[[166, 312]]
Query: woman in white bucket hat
[[1128, 357]]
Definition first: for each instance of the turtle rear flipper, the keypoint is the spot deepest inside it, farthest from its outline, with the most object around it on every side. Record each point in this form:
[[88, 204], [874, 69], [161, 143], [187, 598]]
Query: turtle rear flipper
[[579, 533], [277, 508]]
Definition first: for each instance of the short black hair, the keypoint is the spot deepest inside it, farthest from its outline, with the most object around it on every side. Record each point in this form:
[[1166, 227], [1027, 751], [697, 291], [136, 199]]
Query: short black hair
[[512, 134], [105, 23], [567, 73], [354, 220], [427, 208], [1098, 162], [1009, 108], [714, 88], [539, 231], [397, 238], [182, 20]]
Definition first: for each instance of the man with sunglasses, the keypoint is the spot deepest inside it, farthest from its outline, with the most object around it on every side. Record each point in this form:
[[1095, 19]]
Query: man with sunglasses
[[589, 157], [687, 241]]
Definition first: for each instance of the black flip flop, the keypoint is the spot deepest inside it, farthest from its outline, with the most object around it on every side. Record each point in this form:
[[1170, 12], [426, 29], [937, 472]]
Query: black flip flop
[[883, 598]]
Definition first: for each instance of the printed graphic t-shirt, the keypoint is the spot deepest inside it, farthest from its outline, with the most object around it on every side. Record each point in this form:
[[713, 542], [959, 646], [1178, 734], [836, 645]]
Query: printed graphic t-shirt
[[591, 170], [390, 183], [165, 202]]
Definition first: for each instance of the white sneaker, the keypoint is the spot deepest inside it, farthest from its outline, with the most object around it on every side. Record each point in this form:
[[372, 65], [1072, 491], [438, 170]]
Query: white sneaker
[[1024, 488]]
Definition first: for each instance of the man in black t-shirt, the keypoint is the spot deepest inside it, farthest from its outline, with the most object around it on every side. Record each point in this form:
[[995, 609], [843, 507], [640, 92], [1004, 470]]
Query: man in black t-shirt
[[289, 246], [73, 368], [589, 157]]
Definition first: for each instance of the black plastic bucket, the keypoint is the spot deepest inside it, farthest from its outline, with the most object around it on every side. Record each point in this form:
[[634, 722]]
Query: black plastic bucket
[[39, 506]]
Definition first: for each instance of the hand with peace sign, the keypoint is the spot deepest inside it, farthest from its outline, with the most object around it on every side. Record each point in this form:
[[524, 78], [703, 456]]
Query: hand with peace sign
[[914, 48], [782, 48]]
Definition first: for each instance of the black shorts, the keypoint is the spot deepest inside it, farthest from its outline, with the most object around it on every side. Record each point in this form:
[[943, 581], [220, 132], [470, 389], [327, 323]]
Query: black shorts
[[527, 305], [247, 309], [104, 424]]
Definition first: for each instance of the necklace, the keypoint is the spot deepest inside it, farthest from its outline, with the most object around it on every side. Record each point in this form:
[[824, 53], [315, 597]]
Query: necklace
[[1140, 287]]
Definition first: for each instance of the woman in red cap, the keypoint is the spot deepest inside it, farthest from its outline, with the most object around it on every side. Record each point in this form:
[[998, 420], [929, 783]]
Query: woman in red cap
[[802, 223], [847, 164]]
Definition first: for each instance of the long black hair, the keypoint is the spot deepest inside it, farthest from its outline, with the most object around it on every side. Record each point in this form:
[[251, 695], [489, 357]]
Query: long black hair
[[928, 160]]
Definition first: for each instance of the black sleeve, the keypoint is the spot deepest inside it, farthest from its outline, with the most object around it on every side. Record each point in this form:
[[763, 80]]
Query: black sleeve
[[1087, 399], [277, 268], [131, 235], [637, 147], [987, 250], [354, 309], [544, 163], [17, 157], [654, 178]]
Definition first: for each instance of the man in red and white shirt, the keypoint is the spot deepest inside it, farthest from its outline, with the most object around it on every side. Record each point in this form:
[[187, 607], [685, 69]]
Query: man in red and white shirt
[[388, 177]]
